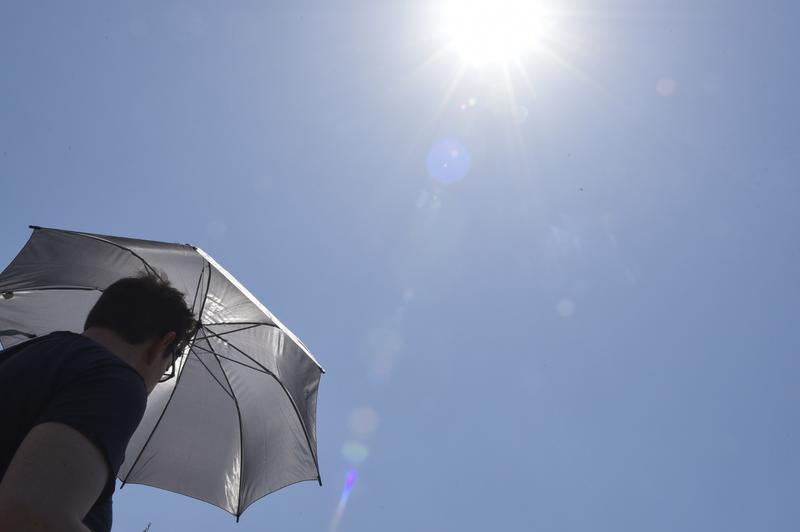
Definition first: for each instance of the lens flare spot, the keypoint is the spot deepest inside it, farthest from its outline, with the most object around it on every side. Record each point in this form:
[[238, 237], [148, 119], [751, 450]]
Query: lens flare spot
[[448, 161], [348, 485], [350, 480], [355, 452], [665, 87], [364, 420], [382, 364], [384, 340], [381, 368], [565, 308]]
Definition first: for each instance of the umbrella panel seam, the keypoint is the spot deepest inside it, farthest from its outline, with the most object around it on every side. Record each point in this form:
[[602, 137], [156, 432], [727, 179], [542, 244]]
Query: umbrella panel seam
[[241, 435], [230, 393], [99, 239], [254, 368], [250, 325], [311, 448]]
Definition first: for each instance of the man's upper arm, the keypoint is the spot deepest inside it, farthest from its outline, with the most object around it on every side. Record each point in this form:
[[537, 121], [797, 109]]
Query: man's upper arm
[[55, 477]]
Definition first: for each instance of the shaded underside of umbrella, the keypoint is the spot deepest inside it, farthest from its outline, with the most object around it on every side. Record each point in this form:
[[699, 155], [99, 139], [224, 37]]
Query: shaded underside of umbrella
[[239, 420]]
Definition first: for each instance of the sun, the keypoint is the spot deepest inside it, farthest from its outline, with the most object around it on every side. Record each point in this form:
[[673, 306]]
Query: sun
[[486, 31]]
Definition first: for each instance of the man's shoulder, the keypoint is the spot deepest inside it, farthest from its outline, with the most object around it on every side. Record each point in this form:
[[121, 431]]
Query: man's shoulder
[[96, 393], [68, 369], [76, 351], [57, 343]]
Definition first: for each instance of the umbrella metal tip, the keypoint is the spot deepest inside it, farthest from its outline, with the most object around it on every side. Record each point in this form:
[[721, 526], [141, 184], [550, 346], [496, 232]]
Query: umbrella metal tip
[[8, 295]]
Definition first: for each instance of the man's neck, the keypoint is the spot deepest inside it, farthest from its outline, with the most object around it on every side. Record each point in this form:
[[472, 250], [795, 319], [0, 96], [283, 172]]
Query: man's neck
[[115, 343], [143, 357]]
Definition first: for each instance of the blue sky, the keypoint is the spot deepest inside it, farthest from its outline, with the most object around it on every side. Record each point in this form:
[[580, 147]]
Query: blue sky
[[591, 324]]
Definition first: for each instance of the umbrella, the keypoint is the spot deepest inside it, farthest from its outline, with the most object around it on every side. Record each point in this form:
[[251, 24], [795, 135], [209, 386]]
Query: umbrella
[[238, 422]]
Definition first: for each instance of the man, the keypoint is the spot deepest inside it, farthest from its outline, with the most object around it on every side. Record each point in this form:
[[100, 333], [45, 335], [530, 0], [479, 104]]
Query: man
[[69, 404]]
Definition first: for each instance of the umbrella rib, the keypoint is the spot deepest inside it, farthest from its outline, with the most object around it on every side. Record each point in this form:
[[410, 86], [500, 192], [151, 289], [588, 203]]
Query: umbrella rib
[[155, 427], [217, 357], [164, 411], [238, 411], [197, 290], [230, 393], [44, 288], [161, 416], [291, 400], [234, 330], [256, 362], [95, 237], [250, 325], [241, 323], [16, 332], [239, 362], [205, 296]]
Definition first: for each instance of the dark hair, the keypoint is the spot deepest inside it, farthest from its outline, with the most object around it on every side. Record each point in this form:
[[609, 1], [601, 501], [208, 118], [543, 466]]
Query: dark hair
[[142, 307]]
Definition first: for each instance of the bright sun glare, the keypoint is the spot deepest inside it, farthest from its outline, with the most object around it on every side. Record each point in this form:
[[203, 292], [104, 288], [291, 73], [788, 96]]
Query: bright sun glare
[[492, 30]]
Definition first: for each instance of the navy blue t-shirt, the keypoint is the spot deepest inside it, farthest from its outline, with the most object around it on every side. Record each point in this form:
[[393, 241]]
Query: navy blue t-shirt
[[69, 378]]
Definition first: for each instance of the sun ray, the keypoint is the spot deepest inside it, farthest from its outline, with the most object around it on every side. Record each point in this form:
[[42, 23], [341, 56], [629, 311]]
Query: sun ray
[[438, 56], [528, 83], [437, 114], [566, 65], [517, 122]]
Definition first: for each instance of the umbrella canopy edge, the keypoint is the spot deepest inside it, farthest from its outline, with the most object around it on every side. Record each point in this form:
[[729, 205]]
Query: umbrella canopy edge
[[258, 304], [98, 238]]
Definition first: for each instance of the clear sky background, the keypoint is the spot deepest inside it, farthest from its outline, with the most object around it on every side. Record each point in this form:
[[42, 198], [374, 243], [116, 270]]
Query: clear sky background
[[594, 328]]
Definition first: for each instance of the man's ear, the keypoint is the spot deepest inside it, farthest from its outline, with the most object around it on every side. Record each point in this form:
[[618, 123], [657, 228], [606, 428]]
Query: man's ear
[[157, 346]]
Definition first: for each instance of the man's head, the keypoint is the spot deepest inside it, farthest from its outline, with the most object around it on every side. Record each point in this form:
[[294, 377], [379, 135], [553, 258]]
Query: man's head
[[141, 308]]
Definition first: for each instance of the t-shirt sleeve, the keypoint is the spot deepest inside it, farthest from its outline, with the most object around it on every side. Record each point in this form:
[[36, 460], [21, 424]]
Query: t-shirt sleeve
[[105, 403]]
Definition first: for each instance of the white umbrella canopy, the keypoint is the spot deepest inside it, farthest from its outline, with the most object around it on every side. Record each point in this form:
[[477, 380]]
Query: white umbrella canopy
[[238, 421]]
